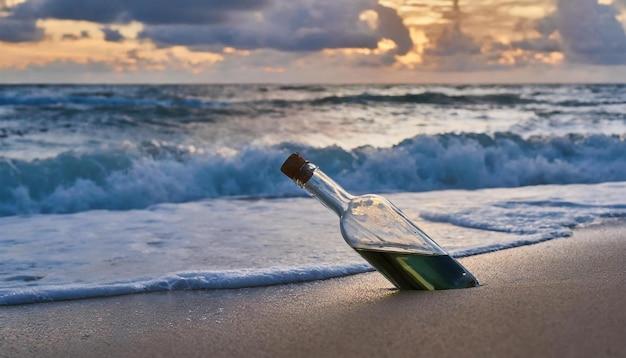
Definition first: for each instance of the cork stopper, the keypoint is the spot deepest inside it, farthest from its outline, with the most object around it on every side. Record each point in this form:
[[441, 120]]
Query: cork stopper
[[295, 167]]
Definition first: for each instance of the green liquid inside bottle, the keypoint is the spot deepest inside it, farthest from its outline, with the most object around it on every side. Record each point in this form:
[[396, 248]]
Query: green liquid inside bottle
[[419, 272]]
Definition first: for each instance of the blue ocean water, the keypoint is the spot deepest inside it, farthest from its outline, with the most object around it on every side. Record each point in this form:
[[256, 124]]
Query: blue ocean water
[[108, 190]]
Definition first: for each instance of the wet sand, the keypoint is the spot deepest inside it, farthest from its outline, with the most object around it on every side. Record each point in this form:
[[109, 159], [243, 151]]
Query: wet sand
[[561, 298]]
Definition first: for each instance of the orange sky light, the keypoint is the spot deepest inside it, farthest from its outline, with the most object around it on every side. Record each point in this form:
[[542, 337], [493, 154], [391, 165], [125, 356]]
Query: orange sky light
[[448, 38]]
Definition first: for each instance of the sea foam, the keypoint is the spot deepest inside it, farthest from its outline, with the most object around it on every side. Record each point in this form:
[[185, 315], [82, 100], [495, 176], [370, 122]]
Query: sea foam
[[195, 280], [152, 173], [227, 243]]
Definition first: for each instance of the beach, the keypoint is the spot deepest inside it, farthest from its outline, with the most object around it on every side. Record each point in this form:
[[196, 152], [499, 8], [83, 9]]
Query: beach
[[559, 298]]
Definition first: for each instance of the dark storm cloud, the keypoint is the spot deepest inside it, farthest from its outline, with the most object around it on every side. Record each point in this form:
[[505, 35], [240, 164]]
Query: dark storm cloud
[[88, 10], [12, 30], [545, 43], [112, 35], [293, 26], [146, 11], [591, 33], [259, 36], [188, 11], [390, 26], [303, 25]]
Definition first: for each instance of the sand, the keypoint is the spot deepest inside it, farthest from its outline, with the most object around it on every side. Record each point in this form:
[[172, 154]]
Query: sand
[[561, 298]]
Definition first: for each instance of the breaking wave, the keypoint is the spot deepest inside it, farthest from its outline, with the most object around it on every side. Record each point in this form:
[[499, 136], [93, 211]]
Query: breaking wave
[[149, 174]]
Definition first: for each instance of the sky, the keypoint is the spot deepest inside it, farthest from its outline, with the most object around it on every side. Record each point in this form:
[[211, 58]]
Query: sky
[[312, 41]]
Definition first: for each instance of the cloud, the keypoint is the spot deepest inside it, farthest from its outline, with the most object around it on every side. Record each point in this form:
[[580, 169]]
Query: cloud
[[309, 25], [591, 33], [453, 41], [390, 26], [451, 48], [112, 35], [546, 26], [88, 10], [538, 45], [485, 36], [577, 31], [304, 25], [13, 30], [146, 11], [546, 42]]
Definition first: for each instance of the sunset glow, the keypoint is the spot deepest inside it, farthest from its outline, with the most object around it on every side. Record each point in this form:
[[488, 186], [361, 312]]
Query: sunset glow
[[331, 41]]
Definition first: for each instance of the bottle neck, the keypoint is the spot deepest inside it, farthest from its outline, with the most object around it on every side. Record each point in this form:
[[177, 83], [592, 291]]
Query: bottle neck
[[326, 190]]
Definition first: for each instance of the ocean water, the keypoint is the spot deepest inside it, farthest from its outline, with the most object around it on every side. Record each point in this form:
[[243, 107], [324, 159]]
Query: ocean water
[[108, 190]]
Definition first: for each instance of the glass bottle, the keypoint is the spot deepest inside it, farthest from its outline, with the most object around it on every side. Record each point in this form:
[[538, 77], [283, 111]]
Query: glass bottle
[[382, 234]]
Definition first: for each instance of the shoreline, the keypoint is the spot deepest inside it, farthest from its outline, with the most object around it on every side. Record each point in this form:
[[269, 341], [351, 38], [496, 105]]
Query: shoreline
[[562, 297]]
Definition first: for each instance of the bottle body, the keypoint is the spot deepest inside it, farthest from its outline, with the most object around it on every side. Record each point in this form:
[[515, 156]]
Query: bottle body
[[398, 249], [383, 235]]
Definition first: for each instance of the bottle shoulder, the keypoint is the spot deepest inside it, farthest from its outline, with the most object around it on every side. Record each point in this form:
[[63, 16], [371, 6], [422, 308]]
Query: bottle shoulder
[[373, 222]]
